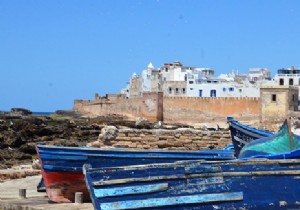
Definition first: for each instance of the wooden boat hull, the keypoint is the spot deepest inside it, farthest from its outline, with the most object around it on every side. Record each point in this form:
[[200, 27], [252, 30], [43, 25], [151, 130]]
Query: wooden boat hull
[[237, 184], [62, 166], [282, 143], [242, 134]]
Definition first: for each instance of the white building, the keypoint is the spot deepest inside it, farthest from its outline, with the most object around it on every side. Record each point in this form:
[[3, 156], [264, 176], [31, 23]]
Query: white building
[[229, 85], [174, 79], [289, 76], [146, 78]]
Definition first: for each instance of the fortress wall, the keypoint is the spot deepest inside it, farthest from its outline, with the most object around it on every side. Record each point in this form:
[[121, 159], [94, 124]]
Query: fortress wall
[[192, 109], [153, 106], [149, 106]]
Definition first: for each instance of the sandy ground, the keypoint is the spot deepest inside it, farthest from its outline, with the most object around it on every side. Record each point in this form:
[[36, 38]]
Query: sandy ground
[[10, 188], [9, 196]]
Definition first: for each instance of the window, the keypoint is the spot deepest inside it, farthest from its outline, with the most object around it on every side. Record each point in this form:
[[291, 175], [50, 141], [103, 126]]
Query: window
[[240, 90], [176, 90], [231, 89], [274, 98], [224, 89], [291, 82], [213, 93], [191, 88], [191, 82], [200, 93], [170, 90], [281, 81], [183, 90]]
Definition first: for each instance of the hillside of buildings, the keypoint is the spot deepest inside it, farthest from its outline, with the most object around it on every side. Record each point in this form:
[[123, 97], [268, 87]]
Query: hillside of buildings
[[175, 93], [176, 79]]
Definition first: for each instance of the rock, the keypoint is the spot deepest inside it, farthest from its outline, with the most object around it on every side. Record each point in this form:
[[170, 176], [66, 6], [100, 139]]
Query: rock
[[28, 148], [20, 111], [109, 133], [141, 123], [36, 164]]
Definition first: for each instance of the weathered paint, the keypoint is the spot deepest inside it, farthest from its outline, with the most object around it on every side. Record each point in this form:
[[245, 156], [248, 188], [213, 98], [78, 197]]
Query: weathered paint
[[172, 201], [118, 191], [264, 184], [242, 134], [64, 164]]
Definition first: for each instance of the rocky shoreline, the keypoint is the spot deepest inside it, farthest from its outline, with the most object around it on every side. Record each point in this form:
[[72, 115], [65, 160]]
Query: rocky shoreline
[[20, 133]]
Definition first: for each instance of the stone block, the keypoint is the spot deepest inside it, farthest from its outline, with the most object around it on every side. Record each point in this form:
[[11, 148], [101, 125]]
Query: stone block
[[135, 138], [121, 135], [132, 145], [186, 141], [177, 144], [146, 146], [162, 143]]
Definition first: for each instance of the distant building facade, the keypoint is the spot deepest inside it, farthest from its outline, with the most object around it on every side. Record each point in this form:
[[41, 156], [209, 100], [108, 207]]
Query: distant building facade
[[175, 79]]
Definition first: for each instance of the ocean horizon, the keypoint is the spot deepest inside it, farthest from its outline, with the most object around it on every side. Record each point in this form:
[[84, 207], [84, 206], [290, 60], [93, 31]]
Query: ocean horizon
[[33, 113], [42, 113]]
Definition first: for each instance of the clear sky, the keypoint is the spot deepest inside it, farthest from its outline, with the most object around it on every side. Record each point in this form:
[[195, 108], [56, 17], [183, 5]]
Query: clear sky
[[52, 52]]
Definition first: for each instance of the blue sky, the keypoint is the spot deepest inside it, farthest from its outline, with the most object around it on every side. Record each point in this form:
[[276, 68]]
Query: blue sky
[[52, 52]]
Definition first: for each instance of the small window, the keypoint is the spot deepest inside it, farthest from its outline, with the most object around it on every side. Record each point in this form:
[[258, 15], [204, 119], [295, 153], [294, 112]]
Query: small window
[[183, 90], [291, 82], [281, 81], [224, 89], [191, 88], [191, 82], [240, 90], [176, 90], [231, 89], [274, 98], [170, 90]]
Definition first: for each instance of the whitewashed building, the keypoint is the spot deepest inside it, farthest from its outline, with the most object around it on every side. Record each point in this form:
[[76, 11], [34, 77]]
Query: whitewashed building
[[174, 79]]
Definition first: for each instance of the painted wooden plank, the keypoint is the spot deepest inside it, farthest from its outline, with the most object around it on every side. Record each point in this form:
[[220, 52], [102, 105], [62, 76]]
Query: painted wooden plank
[[172, 201], [143, 179], [173, 177], [120, 191], [205, 181], [77, 157], [61, 168], [203, 169], [250, 173]]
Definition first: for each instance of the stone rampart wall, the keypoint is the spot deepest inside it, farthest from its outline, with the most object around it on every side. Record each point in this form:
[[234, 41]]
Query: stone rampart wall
[[153, 106], [179, 139], [195, 109]]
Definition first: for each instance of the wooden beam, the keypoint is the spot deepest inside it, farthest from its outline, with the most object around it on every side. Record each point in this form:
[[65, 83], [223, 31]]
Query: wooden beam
[[120, 191], [173, 201]]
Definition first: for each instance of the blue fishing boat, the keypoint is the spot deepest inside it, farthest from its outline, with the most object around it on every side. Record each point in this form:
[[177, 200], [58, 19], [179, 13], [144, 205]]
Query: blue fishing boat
[[62, 166], [242, 134], [282, 144], [259, 184]]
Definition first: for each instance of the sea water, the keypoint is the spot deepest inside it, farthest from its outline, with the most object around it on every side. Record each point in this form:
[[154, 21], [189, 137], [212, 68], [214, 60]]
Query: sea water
[[42, 113]]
